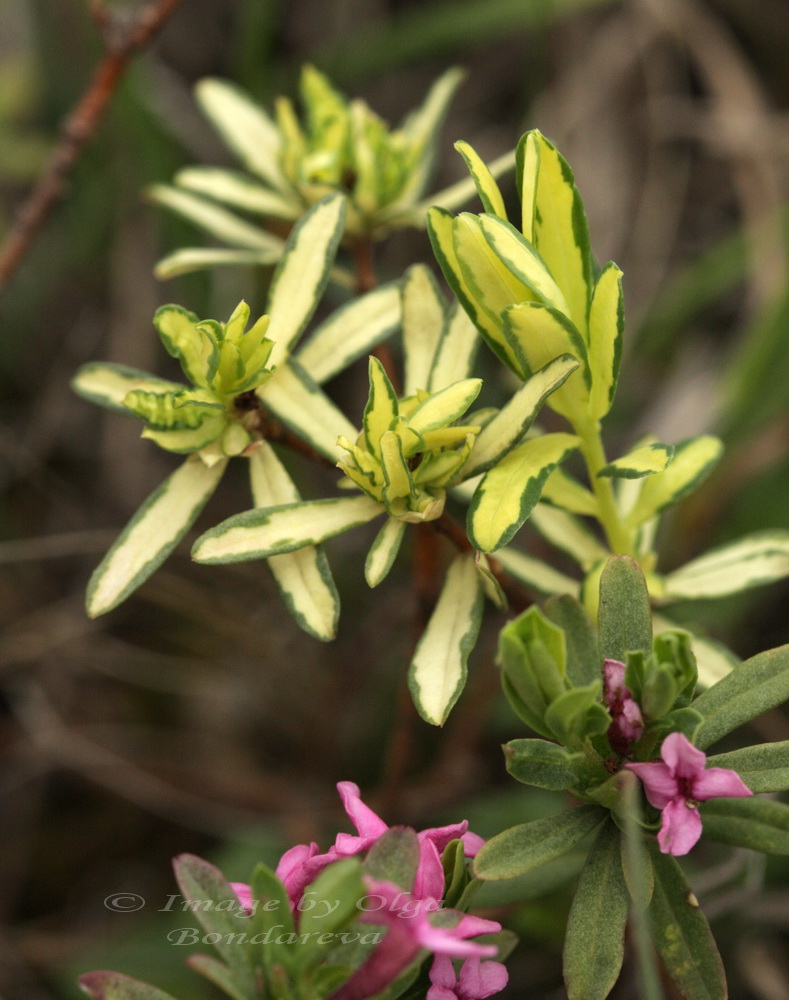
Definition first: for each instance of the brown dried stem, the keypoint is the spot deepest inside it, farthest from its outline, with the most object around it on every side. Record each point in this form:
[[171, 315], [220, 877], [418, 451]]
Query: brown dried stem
[[122, 42]]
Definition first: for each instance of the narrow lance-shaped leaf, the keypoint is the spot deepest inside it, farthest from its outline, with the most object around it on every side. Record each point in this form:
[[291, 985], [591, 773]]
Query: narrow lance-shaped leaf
[[510, 424], [303, 577], [594, 942], [383, 551], [693, 461], [763, 768], [456, 352], [303, 272], [114, 986], [523, 848], [536, 574], [758, 824], [606, 329], [644, 461], [445, 406], [487, 188], [682, 934], [437, 673], [258, 534], [219, 974], [543, 764], [562, 490], [350, 332], [583, 655], [191, 259], [423, 325], [624, 617], [754, 687], [568, 534], [237, 190], [381, 409], [509, 491], [750, 562], [152, 534], [108, 384]]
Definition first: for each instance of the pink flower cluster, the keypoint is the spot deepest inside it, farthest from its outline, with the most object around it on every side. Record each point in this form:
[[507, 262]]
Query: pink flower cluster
[[627, 723], [408, 928]]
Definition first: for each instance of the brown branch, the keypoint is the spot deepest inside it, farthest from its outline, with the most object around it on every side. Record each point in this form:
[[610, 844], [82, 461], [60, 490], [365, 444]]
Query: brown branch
[[122, 42]]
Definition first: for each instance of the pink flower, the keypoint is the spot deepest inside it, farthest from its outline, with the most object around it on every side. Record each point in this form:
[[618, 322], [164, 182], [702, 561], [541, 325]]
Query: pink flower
[[627, 723], [677, 784], [409, 931], [477, 979]]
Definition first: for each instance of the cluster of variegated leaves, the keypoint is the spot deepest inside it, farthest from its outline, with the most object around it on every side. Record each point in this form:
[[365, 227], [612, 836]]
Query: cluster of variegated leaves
[[342, 146], [551, 671], [537, 294]]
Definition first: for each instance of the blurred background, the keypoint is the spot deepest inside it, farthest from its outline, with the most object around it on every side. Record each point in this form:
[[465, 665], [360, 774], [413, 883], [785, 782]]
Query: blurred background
[[197, 717]]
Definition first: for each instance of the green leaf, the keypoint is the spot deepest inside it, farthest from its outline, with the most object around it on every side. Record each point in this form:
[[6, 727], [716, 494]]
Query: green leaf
[[394, 858], [152, 534], [484, 181], [186, 339], [569, 534], [350, 332], [437, 673], [606, 329], [763, 768], [682, 935], [751, 561], [108, 384], [219, 974], [114, 986], [511, 423], [245, 127], [303, 577], [577, 714], [758, 824], [217, 221], [456, 352], [556, 224], [423, 325], [335, 893], [260, 533], [524, 848], [191, 259], [624, 617], [303, 272], [509, 491], [535, 574], [218, 909], [237, 190], [584, 663], [752, 688], [383, 551], [643, 461], [300, 403], [272, 912], [692, 463], [543, 764], [594, 943], [714, 660]]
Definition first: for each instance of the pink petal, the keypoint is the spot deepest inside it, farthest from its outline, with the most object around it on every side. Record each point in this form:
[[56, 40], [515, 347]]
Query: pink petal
[[294, 858], [683, 759], [720, 782], [479, 980], [680, 828], [660, 785], [614, 680], [442, 835], [442, 972], [472, 844], [631, 722], [444, 941], [347, 844], [429, 881], [367, 823], [244, 893], [441, 993]]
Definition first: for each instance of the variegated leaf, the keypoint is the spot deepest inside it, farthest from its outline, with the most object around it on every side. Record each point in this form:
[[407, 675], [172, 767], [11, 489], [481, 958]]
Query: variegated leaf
[[303, 577], [245, 127], [509, 491], [606, 328], [215, 220], [568, 534], [152, 534], [237, 190], [490, 584], [563, 491], [302, 406], [445, 406], [692, 463], [457, 350], [108, 384], [536, 574], [751, 561], [423, 324], [460, 192], [647, 460], [184, 442], [383, 551], [350, 332], [191, 259], [115, 986], [487, 188], [381, 410], [558, 226], [260, 533], [303, 272], [437, 673], [508, 427]]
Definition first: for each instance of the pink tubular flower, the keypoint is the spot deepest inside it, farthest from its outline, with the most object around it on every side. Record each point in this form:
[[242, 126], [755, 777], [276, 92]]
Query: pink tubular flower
[[677, 784], [409, 931], [627, 723], [477, 979]]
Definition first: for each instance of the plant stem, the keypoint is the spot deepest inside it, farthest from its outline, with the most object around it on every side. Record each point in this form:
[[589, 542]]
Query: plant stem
[[619, 539]]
